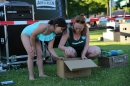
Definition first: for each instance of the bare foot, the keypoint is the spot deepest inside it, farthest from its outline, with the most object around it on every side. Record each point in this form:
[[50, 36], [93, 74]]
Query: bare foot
[[43, 76], [31, 78]]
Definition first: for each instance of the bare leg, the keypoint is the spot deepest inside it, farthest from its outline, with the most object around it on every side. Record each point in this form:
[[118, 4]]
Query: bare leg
[[39, 59], [26, 43], [93, 52], [71, 54]]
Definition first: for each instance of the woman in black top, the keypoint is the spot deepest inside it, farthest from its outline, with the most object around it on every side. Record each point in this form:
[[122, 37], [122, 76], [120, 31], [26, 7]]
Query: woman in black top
[[75, 43]]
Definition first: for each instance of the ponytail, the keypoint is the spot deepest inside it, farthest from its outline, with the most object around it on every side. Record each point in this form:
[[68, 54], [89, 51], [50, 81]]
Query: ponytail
[[51, 22]]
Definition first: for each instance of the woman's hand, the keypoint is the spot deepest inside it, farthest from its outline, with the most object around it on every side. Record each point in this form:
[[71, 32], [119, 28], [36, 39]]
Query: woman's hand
[[83, 57], [33, 51], [68, 50]]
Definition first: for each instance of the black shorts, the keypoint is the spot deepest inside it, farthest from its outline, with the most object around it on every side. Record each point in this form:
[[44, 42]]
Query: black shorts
[[78, 53]]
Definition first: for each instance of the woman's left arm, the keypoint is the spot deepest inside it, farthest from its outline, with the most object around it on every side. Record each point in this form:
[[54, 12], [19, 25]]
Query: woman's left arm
[[51, 49], [86, 44]]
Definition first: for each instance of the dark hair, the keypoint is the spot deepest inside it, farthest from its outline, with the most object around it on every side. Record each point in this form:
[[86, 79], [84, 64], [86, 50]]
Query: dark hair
[[61, 23], [82, 20]]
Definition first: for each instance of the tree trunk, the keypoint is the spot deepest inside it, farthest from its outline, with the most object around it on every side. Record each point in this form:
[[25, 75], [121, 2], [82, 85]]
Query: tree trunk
[[87, 8], [108, 8]]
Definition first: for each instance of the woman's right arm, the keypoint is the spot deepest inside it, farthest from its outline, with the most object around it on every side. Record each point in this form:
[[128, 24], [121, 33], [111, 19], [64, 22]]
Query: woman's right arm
[[63, 40]]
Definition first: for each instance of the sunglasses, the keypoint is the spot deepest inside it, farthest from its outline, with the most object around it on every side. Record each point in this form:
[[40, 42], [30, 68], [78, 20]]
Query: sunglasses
[[78, 21], [80, 29]]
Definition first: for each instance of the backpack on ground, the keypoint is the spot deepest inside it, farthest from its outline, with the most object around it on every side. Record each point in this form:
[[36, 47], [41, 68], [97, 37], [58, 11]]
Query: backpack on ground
[[48, 58]]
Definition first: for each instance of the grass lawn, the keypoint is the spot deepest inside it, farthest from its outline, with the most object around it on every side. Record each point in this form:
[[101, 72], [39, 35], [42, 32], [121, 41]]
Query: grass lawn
[[100, 77]]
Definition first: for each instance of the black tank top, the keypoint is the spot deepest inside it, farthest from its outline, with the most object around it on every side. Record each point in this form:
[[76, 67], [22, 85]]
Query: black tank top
[[78, 45]]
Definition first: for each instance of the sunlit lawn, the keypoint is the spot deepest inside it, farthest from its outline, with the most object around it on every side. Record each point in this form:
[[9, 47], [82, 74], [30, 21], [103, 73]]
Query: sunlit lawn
[[100, 76]]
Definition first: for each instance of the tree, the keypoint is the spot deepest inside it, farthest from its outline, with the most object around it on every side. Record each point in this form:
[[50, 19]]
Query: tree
[[105, 3], [118, 4], [125, 7], [87, 7], [102, 2]]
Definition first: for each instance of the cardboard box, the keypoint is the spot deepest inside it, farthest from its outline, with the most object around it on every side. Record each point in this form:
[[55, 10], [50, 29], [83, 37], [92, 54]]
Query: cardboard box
[[113, 61], [125, 32], [124, 37], [111, 36], [125, 27], [74, 67]]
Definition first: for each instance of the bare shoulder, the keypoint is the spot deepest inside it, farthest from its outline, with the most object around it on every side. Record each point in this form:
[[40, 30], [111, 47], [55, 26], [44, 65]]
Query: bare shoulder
[[87, 31], [41, 25], [41, 28], [67, 33]]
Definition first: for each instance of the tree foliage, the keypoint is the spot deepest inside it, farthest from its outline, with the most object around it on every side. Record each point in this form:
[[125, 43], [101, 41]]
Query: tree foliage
[[102, 2], [126, 7], [87, 7]]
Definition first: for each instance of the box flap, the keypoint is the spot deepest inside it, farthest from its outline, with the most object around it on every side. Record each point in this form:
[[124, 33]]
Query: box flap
[[80, 64]]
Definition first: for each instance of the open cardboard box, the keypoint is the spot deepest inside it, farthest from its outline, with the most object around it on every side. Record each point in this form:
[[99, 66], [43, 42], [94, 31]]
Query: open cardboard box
[[74, 67]]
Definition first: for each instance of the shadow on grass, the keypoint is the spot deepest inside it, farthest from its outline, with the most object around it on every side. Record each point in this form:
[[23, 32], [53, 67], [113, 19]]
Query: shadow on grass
[[97, 32], [124, 47], [95, 41]]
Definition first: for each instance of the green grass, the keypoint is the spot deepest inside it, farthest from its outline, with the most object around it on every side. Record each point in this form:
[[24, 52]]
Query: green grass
[[100, 76]]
